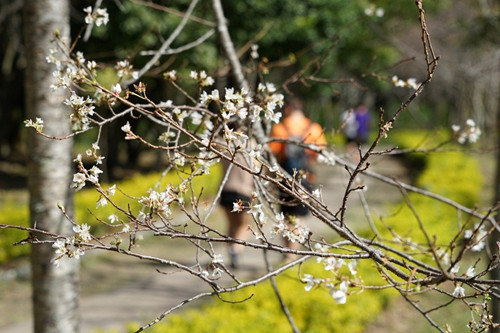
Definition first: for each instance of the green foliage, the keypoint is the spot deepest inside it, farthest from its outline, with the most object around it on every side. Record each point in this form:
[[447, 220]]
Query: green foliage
[[453, 175], [107, 77], [462, 176], [314, 25], [12, 212], [313, 311], [415, 162]]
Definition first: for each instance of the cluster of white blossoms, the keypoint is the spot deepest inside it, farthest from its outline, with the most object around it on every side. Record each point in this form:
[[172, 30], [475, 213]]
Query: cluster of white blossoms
[[338, 291], [73, 71], [91, 175], [269, 100], [167, 137], [333, 264], [233, 104], [159, 202], [483, 319], [470, 273], [93, 153], [213, 270], [205, 160], [242, 105], [67, 72], [83, 109], [455, 269], [102, 199], [71, 246], [372, 10], [409, 83], [255, 209], [237, 105], [476, 238], [294, 232], [470, 133], [338, 285], [124, 69], [84, 175], [98, 17], [203, 79], [230, 135], [37, 124]]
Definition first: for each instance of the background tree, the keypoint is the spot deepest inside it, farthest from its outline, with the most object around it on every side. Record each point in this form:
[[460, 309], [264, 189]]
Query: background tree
[[11, 107], [55, 290]]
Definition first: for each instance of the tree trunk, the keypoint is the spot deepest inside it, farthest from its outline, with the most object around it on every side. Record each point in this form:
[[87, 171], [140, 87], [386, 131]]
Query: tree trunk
[[55, 289]]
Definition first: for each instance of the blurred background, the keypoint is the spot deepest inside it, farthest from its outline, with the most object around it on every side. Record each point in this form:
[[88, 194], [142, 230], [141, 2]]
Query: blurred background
[[361, 46]]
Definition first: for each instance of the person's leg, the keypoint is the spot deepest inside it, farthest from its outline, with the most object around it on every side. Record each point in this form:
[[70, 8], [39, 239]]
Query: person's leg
[[352, 152], [293, 246], [237, 229]]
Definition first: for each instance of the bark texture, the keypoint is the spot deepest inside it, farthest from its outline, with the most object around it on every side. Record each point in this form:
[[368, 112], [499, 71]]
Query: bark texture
[[55, 289]]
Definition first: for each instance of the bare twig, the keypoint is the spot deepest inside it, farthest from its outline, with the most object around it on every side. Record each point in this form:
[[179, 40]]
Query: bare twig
[[165, 45], [228, 45]]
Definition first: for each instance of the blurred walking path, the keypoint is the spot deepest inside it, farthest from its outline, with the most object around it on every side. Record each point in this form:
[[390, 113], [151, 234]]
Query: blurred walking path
[[139, 293]]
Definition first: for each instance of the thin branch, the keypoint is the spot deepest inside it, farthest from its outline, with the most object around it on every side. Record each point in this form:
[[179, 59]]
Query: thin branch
[[183, 48], [397, 183], [165, 45], [283, 306], [228, 45], [227, 290], [174, 12], [368, 216]]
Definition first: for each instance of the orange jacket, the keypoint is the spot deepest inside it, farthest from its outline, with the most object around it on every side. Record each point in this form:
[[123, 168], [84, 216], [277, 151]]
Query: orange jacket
[[296, 125]]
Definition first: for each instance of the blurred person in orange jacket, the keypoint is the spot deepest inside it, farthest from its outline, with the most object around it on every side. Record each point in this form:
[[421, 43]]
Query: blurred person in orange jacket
[[293, 158]]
